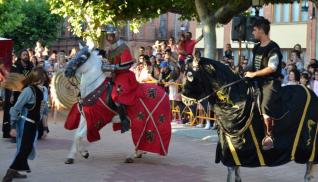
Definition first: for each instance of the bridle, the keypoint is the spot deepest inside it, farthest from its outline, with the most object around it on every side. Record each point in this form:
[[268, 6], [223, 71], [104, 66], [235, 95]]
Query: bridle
[[190, 101]]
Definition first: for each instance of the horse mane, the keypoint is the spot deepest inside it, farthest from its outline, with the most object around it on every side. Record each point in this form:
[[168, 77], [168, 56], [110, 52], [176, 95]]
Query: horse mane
[[222, 72]]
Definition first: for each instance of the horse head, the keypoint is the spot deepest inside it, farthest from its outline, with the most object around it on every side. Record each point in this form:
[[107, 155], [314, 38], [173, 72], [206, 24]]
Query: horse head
[[83, 60], [200, 78]]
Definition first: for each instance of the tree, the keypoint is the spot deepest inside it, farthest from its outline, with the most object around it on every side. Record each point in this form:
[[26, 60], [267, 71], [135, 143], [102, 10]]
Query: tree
[[37, 24], [95, 13], [10, 15]]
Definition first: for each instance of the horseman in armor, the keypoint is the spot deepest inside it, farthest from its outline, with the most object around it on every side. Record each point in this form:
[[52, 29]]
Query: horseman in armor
[[119, 61], [266, 69]]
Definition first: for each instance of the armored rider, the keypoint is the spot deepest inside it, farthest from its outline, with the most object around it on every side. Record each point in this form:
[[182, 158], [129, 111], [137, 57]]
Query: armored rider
[[124, 83]]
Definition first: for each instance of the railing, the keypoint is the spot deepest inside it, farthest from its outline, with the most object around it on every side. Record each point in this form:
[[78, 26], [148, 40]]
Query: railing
[[194, 118]]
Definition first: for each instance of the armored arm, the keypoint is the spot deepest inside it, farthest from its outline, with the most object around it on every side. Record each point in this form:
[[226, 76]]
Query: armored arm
[[106, 67]]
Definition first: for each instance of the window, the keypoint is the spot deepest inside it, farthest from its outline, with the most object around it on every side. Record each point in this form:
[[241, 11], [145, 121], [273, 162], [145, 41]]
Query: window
[[290, 12], [304, 14], [277, 13], [296, 11], [286, 13]]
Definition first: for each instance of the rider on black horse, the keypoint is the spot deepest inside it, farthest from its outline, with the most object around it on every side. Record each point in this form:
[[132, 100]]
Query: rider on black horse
[[266, 69]]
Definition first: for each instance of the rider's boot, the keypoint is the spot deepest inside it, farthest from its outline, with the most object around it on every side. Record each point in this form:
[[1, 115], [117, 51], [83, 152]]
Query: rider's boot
[[124, 121], [267, 141]]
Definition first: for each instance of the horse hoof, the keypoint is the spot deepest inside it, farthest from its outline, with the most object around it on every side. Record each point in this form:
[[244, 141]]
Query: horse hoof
[[69, 161], [86, 155], [129, 160]]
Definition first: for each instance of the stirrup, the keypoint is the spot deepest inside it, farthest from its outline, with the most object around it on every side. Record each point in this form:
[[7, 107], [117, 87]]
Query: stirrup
[[267, 142]]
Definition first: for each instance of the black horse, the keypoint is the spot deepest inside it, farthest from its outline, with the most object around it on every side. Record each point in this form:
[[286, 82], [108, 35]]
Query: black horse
[[240, 125]]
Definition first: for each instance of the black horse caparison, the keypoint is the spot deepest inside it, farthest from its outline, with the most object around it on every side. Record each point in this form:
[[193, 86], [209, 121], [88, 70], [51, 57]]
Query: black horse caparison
[[240, 125]]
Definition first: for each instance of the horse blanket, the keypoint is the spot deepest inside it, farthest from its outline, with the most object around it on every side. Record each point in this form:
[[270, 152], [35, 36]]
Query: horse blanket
[[148, 110]]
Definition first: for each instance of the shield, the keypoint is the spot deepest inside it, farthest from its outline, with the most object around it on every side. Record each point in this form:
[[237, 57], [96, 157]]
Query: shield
[[64, 90]]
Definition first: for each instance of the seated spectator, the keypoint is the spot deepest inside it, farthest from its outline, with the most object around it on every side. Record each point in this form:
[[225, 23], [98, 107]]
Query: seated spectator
[[293, 78], [304, 79], [289, 68], [296, 59], [314, 83], [228, 53], [137, 70], [311, 69]]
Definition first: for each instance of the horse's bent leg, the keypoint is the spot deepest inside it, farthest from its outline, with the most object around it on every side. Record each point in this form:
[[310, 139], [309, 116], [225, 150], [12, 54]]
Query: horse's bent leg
[[310, 169], [79, 134], [237, 174]]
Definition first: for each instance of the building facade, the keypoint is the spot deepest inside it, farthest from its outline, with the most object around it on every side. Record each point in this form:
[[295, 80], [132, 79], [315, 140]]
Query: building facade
[[291, 23]]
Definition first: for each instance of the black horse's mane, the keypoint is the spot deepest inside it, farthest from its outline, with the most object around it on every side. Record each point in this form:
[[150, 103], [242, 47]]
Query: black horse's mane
[[215, 75], [219, 74]]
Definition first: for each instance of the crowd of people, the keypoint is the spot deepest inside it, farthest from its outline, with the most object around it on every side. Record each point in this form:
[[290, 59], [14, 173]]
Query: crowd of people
[[294, 70]]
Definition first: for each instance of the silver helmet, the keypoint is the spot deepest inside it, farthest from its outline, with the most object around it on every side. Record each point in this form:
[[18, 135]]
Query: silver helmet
[[110, 29]]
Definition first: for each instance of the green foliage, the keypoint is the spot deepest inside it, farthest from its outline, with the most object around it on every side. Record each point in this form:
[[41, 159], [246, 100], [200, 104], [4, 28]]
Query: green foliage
[[38, 24], [87, 17], [10, 15]]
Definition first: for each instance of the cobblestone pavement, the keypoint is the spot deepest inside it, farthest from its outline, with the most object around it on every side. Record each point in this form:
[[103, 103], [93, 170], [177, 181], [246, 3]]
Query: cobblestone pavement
[[190, 159]]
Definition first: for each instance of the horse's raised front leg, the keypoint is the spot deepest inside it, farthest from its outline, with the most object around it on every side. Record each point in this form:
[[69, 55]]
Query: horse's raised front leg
[[310, 171], [137, 154], [233, 174], [77, 142]]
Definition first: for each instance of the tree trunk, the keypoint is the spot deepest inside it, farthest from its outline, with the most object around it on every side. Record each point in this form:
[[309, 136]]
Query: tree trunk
[[209, 39], [209, 25]]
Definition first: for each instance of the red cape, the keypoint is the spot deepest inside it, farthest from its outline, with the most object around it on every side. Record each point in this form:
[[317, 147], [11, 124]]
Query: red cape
[[148, 109]]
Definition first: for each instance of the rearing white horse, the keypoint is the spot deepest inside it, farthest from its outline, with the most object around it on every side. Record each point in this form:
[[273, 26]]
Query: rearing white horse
[[96, 109]]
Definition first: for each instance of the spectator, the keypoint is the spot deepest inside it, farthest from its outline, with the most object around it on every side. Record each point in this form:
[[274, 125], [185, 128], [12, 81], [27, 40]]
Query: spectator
[[46, 51], [181, 50], [311, 69], [163, 46], [155, 68], [304, 79], [34, 61], [314, 82], [61, 62], [159, 58], [172, 45], [156, 47], [290, 67], [293, 78], [228, 52], [31, 52], [296, 59], [72, 53], [141, 51], [138, 69], [149, 53], [14, 58], [189, 43], [23, 66]]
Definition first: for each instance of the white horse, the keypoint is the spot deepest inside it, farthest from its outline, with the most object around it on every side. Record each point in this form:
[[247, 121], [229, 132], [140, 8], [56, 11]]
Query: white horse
[[87, 64]]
